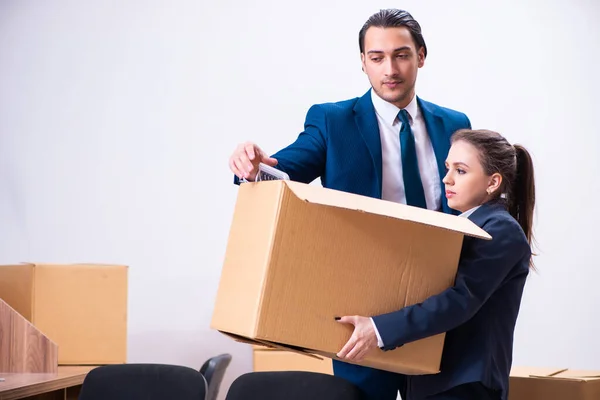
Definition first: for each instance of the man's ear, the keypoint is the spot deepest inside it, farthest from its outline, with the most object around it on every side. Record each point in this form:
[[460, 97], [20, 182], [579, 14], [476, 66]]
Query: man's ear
[[362, 61], [421, 56]]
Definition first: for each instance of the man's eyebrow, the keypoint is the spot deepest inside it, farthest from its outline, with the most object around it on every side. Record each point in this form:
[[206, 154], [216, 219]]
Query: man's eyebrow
[[403, 48]]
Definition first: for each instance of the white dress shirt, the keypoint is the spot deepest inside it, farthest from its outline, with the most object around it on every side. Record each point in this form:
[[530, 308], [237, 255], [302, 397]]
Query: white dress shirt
[[389, 131], [392, 180], [468, 213]]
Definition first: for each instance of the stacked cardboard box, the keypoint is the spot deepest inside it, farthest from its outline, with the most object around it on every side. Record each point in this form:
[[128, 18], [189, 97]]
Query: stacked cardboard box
[[80, 307], [528, 383]]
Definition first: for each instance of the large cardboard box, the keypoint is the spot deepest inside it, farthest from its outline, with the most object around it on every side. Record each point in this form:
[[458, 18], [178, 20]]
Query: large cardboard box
[[80, 307], [299, 255], [527, 383], [274, 360]]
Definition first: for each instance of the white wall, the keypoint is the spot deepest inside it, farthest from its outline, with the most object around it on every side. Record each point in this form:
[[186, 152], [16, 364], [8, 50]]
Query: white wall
[[117, 119]]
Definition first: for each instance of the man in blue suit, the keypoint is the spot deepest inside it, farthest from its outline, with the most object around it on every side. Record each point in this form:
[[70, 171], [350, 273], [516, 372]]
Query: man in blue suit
[[387, 144]]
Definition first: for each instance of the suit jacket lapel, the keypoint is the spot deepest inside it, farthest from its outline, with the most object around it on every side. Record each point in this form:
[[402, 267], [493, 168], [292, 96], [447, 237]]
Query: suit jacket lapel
[[366, 121], [440, 141]]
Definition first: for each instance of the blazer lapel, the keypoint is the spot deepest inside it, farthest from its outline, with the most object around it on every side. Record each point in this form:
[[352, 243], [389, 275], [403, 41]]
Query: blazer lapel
[[440, 142], [366, 121]]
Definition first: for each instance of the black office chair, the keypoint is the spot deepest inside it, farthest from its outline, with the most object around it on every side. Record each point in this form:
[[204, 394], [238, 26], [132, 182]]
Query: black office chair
[[292, 385], [213, 370], [143, 382]]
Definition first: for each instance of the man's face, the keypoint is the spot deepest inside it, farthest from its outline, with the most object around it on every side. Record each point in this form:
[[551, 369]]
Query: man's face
[[391, 61]]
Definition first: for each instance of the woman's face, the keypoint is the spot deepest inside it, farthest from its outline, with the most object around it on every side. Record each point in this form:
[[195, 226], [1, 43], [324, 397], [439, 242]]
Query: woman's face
[[466, 183]]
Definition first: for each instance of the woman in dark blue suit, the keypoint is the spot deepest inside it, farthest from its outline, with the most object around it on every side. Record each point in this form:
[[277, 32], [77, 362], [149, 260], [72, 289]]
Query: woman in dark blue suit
[[492, 183]]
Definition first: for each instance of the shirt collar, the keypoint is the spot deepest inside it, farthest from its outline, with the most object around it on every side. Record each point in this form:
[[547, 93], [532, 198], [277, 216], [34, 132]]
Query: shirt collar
[[468, 213], [388, 112]]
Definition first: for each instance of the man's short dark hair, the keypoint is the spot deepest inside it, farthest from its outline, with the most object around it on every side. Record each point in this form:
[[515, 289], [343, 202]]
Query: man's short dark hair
[[393, 18]]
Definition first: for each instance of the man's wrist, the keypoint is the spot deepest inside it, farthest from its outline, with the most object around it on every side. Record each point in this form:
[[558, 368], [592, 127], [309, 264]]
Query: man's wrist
[[379, 340]]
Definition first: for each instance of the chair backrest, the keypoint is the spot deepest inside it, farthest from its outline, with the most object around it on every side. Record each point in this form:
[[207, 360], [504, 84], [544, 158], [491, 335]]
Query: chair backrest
[[213, 370], [292, 385], [143, 381]]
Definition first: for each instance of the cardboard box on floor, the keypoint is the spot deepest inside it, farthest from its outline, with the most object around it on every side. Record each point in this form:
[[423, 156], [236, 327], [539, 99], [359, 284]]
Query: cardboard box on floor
[[80, 307], [299, 255], [527, 383]]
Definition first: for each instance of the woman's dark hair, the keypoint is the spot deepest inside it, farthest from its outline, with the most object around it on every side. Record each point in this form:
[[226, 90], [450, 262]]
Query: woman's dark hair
[[514, 164]]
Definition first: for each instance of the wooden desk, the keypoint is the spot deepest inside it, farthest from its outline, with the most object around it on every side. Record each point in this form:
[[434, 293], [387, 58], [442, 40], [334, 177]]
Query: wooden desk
[[63, 385]]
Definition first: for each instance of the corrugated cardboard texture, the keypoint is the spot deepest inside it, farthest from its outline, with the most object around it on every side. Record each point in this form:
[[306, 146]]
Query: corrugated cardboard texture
[[82, 308], [528, 383], [248, 261], [16, 288], [297, 258], [336, 198], [274, 360]]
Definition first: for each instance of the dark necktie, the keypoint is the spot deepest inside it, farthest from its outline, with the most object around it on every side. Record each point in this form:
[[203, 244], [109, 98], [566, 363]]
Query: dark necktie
[[413, 187]]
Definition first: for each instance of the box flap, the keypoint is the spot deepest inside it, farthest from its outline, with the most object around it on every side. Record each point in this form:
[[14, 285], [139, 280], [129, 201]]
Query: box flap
[[554, 373], [271, 345], [569, 374], [37, 264], [579, 374], [336, 198], [527, 372]]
